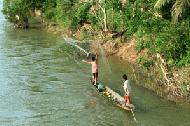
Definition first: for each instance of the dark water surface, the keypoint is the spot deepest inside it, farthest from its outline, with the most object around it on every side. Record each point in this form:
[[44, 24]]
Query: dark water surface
[[43, 86]]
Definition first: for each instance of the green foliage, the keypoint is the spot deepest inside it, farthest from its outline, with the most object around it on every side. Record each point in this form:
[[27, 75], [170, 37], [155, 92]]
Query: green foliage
[[16, 7], [80, 15], [179, 7], [115, 20], [140, 46], [173, 41], [155, 33], [145, 62]]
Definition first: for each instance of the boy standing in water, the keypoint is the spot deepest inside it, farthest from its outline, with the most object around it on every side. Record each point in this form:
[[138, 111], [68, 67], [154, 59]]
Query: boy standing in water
[[126, 88], [94, 64]]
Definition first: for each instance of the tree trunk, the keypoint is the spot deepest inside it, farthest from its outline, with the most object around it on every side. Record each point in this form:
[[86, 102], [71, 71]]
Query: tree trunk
[[25, 23], [105, 16], [105, 20]]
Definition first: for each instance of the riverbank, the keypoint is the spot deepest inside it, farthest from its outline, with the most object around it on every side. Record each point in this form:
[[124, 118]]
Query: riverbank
[[168, 83], [152, 72]]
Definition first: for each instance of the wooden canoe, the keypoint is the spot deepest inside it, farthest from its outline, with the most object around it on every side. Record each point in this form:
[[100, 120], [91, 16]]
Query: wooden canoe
[[117, 99]]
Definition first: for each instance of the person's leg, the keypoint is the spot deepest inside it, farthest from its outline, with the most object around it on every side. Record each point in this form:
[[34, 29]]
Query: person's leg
[[128, 99], [93, 78], [97, 77]]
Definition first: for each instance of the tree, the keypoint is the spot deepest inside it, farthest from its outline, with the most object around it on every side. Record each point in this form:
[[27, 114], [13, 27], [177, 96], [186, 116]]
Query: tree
[[179, 7], [17, 11], [104, 13], [100, 8]]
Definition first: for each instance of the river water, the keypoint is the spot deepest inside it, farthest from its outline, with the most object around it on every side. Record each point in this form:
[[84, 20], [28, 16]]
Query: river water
[[41, 85]]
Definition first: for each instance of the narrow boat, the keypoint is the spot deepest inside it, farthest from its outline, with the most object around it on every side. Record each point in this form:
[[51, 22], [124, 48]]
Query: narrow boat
[[113, 96]]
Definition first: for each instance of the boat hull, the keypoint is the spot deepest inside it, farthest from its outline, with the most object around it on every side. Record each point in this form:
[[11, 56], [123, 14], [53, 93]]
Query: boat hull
[[114, 97]]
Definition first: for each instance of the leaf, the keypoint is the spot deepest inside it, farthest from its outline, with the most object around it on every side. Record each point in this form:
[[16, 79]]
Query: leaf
[[160, 3], [178, 8]]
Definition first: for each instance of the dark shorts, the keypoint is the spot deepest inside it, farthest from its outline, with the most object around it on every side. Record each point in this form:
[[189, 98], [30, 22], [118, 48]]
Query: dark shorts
[[95, 75]]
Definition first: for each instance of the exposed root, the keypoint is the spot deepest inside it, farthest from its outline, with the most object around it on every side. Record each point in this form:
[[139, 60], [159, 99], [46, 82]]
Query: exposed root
[[172, 88]]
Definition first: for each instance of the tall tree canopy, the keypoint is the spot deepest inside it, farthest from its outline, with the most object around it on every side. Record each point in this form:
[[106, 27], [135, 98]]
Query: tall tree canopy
[[138, 18], [179, 7]]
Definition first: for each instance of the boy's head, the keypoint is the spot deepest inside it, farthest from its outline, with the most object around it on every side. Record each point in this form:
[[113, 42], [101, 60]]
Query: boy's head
[[125, 77], [93, 58]]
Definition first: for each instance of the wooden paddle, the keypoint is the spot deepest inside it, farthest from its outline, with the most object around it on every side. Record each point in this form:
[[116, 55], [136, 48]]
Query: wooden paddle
[[131, 108], [133, 115]]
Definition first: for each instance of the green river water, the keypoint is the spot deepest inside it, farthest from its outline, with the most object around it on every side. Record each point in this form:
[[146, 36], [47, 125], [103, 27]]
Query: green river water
[[43, 86]]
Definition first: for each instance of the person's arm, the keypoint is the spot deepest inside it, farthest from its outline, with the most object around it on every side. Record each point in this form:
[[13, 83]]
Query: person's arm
[[86, 61]]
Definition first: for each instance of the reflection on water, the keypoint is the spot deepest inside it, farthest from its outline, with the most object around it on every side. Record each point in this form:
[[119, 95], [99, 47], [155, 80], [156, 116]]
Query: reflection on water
[[43, 86]]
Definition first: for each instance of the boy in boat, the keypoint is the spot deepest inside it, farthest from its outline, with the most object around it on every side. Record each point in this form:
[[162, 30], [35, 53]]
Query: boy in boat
[[126, 88], [94, 64]]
